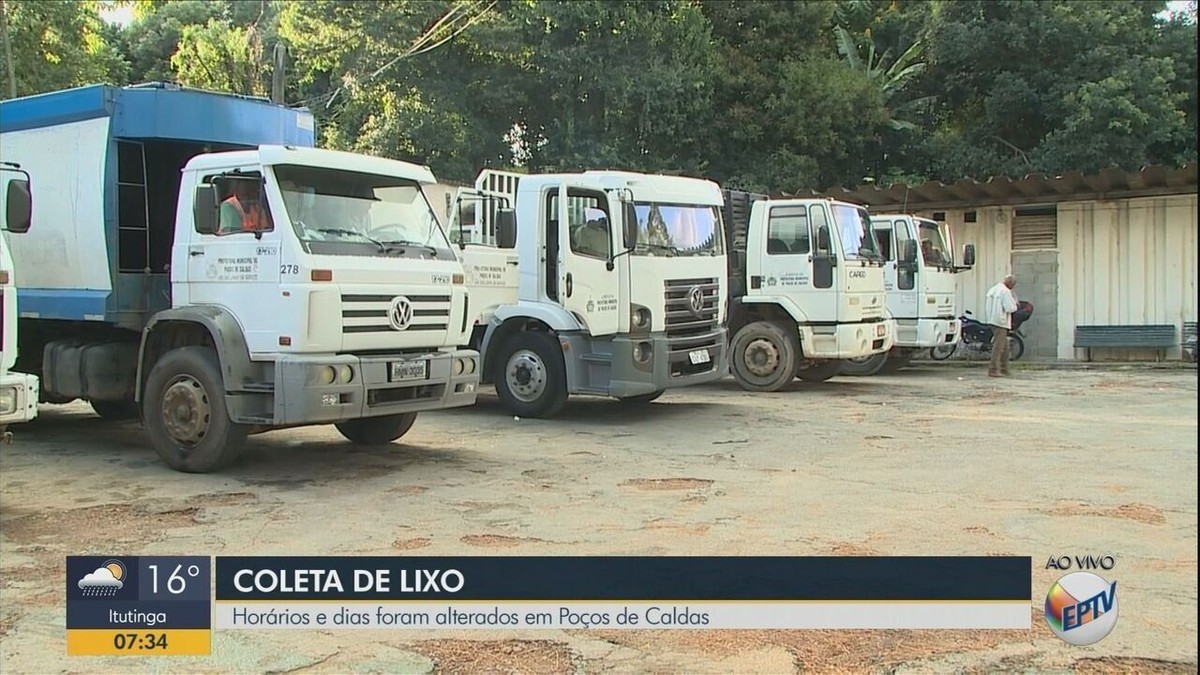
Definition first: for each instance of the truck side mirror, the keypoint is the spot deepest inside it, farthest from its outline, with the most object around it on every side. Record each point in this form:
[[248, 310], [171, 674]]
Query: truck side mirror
[[969, 255], [204, 209], [629, 229], [909, 252], [506, 228], [18, 215]]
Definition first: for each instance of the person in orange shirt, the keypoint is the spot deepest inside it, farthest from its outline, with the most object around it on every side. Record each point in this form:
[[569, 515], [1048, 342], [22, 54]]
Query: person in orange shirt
[[243, 211]]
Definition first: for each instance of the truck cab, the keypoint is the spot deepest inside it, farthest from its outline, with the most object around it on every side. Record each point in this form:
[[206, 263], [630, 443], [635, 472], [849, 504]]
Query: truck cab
[[807, 286], [18, 391], [921, 274], [607, 283]]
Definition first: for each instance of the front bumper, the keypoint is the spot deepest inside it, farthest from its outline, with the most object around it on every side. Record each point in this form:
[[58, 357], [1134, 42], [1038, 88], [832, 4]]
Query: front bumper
[[926, 332], [18, 398], [847, 340], [670, 364], [303, 394]]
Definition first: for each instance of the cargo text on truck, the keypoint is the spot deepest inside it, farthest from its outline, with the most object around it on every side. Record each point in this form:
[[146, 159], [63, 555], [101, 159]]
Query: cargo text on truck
[[195, 261]]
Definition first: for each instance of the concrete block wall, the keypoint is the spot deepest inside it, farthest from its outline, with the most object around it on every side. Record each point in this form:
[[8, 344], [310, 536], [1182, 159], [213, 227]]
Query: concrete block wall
[[1037, 282]]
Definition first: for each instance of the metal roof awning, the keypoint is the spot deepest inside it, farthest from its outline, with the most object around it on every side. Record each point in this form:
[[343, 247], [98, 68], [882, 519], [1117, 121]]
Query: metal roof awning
[[1112, 183]]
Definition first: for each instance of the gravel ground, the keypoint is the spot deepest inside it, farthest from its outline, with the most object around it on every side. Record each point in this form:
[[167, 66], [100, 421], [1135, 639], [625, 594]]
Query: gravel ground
[[934, 460]]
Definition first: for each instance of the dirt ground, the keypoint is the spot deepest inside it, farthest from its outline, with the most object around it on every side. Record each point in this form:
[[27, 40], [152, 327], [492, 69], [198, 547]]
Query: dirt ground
[[932, 461]]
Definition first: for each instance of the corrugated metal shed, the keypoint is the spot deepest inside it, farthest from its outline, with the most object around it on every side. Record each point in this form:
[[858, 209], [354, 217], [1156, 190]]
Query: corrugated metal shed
[[1108, 184]]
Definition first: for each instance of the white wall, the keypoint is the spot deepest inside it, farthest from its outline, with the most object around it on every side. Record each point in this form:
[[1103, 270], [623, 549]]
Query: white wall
[[1131, 261]]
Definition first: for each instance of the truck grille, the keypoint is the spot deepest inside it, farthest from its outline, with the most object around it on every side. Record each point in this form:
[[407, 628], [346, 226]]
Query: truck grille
[[688, 330], [369, 313]]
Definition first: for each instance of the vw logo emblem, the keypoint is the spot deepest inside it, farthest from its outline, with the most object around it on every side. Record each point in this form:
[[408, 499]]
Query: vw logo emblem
[[400, 314], [696, 300]]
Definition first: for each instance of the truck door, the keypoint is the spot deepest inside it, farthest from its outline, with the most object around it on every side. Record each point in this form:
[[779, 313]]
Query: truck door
[[789, 266], [586, 286], [238, 266], [904, 300]]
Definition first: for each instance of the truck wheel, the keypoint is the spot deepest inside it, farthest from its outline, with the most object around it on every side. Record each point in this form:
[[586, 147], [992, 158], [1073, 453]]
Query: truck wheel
[[865, 365], [764, 356], [819, 371], [642, 398], [530, 377], [185, 415], [897, 360], [376, 430], [115, 410]]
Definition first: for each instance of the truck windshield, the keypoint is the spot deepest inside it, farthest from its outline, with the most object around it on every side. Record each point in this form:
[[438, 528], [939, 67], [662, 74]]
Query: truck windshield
[[934, 250], [858, 238], [677, 229], [350, 213]]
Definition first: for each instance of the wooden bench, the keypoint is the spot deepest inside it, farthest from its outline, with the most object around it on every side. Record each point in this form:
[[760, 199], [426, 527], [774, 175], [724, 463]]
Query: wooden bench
[[1160, 337]]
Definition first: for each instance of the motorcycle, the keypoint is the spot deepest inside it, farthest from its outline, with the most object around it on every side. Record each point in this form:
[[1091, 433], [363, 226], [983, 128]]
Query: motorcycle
[[976, 336]]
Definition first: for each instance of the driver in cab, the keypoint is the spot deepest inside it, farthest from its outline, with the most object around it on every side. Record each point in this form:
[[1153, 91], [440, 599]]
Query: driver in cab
[[242, 210]]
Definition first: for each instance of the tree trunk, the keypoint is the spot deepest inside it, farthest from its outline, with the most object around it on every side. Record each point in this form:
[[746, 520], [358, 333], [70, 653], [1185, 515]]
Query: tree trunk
[[8, 61]]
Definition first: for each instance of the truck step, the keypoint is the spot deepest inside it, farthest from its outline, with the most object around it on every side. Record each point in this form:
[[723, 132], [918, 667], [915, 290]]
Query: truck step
[[257, 419], [259, 387], [597, 358]]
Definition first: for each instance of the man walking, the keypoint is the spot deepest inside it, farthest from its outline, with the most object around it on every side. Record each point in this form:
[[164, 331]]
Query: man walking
[[1001, 303]]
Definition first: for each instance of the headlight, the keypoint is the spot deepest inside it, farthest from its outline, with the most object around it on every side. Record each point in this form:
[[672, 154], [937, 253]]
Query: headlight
[[459, 366], [640, 317], [328, 375], [347, 374], [642, 352], [8, 401], [470, 366]]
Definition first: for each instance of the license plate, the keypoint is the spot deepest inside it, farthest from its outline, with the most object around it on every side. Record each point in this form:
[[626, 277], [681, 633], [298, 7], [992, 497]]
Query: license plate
[[409, 370], [698, 356]]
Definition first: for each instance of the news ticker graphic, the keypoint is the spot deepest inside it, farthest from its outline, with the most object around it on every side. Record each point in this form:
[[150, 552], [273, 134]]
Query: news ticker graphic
[[139, 605], [624, 592]]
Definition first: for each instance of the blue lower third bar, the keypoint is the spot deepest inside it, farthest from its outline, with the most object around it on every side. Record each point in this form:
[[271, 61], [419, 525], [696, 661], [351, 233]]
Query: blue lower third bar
[[829, 579]]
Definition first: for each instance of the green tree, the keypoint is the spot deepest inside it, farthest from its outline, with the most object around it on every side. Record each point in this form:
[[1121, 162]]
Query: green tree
[[57, 44]]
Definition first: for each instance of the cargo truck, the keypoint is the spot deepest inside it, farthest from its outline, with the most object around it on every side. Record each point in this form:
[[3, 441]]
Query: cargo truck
[[18, 391], [921, 277], [608, 283], [806, 289], [196, 262]]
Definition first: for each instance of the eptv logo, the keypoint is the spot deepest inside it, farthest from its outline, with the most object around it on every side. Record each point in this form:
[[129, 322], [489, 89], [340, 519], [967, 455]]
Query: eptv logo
[[1081, 608]]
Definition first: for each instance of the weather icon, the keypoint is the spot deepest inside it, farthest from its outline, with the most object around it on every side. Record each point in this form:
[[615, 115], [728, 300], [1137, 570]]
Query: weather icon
[[105, 581]]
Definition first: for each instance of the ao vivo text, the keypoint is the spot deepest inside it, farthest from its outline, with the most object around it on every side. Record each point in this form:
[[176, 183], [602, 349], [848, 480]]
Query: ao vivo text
[[1081, 562], [326, 581]]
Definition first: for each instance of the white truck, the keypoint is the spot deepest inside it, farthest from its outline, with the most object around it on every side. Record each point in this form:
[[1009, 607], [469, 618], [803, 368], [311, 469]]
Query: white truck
[[807, 289], [18, 391], [921, 276], [608, 283], [195, 262]]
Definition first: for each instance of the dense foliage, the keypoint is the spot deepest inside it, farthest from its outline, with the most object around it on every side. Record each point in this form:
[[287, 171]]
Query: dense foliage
[[760, 94]]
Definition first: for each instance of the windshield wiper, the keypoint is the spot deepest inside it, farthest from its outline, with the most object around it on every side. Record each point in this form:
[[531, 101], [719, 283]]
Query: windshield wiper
[[353, 233], [408, 242], [662, 247]]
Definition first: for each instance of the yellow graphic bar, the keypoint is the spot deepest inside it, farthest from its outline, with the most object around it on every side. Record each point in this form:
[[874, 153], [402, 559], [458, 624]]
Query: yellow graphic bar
[[139, 642]]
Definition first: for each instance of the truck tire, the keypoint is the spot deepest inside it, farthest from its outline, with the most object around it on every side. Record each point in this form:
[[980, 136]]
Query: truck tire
[[530, 377], [115, 411], [764, 356], [896, 360], [184, 412], [376, 430], [642, 398], [819, 371], [866, 365]]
